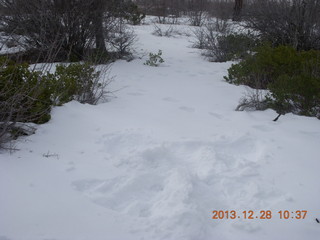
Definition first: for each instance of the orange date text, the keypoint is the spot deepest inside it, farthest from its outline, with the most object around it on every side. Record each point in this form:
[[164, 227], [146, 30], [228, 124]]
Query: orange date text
[[262, 214]]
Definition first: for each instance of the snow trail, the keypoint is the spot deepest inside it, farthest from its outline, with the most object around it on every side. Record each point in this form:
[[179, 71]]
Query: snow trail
[[154, 162]]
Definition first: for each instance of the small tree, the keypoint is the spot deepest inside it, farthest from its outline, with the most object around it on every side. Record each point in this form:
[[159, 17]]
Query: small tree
[[121, 39]]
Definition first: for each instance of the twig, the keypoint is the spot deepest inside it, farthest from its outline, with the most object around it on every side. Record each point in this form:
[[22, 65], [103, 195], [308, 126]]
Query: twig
[[277, 117]]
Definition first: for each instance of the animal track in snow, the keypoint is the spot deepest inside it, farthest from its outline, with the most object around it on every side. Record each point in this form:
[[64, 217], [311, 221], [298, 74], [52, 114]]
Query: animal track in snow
[[187, 109], [216, 115], [135, 94], [170, 99]]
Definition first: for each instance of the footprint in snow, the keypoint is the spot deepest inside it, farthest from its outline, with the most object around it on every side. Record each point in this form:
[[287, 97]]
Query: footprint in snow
[[262, 128], [70, 169], [135, 94], [216, 115], [170, 99], [187, 109]]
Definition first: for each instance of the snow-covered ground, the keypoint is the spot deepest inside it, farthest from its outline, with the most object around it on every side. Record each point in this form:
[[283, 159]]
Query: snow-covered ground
[[154, 162]]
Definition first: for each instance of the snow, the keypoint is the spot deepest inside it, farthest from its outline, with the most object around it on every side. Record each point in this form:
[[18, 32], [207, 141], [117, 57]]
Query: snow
[[156, 160], [10, 40]]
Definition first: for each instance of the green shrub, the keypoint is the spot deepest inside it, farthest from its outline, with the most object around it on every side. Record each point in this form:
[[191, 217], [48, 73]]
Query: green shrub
[[299, 94], [265, 66], [133, 14], [74, 82], [24, 96], [155, 59], [27, 96], [293, 78]]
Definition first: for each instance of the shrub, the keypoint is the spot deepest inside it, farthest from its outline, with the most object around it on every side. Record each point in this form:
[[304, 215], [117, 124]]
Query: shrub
[[27, 96], [293, 78], [265, 66], [219, 44], [77, 81], [286, 22], [221, 26], [46, 25], [121, 39], [222, 48], [163, 31], [200, 38], [24, 96], [155, 59], [254, 99], [204, 35], [197, 11], [64, 30], [133, 14], [299, 94], [197, 18]]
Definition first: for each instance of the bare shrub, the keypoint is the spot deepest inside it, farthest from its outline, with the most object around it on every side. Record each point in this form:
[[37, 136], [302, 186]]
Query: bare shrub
[[46, 25], [197, 11], [163, 31], [166, 11], [161, 10], [219, 44], [66, 30], [173, 19], [208, 33], [220, 25], [200, 40], [197, 18], [254, 99], [286, 22]]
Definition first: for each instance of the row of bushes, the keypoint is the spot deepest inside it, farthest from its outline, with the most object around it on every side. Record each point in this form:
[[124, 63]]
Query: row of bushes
[[28, 95], [292, 78]]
